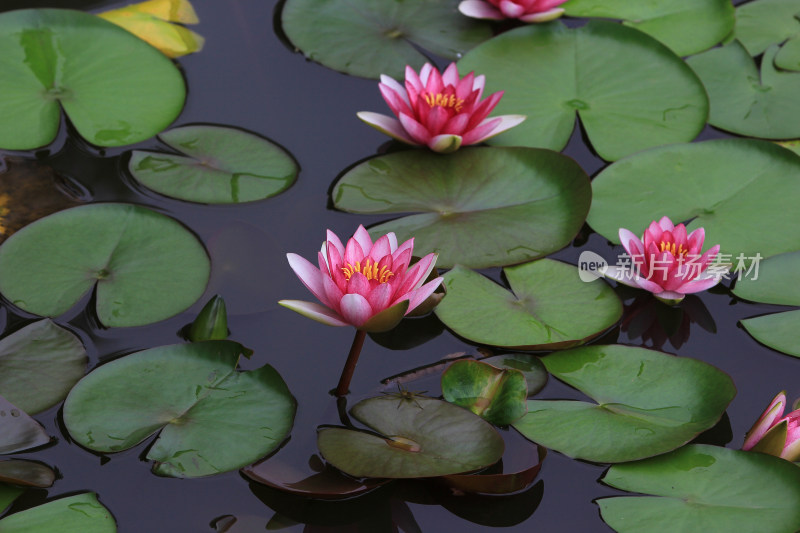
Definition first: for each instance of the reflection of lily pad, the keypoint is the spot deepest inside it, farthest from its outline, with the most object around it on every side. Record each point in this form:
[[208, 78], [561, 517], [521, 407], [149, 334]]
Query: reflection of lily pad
[[776, 284], [18, 431], [27, 473], [39, 364], [368, 38], [548, 306], [762, 23], [147, 267], [115, 88], [648, 403], [423, 438], [686, 26], [629, 90], [744, 101], [479, 207], [81, 513], [222, 165], [212, 418], [725, 186], [491, 393], [704, 488], [531, 367]]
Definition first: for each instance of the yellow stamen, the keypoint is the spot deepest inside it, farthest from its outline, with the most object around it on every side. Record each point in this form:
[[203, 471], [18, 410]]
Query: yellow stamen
[[670, 247], [369, 270], [443, 100]]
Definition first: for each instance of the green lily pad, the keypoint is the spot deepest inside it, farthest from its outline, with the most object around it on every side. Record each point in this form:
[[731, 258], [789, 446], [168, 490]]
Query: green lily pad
[[762, 23], [368, 38], [776, 284], [147, 267], [744, 101], [648, 403], [39, 364], [685, 26], [115, 88], [704, 488], [548, 307], [27, 473], [788, 57], [629, 90], [81, 513], [212, 418], [531, 367], [491, 393], [221, 165], [479, 207], [8, 493], [724, 186], [18, 431], [423, 437]]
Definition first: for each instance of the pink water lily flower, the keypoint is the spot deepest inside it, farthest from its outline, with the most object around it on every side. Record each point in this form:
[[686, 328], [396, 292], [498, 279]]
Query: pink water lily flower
[[774, 433], [524, 10], [667, 262], [363, 284], [440, 111]]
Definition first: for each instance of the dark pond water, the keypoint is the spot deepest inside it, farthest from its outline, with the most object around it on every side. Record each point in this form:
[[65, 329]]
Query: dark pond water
[[247, 77]]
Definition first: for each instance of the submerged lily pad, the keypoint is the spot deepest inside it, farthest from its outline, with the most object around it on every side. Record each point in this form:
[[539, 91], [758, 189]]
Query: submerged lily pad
[[27, 473], [629, 90], [762, 23], [368, 38], [686, 26], [480, 207], [548, 307], [648, 403], [18, 431], [491, 393], [704, 488], [39, 364], [81, 513], [221, 165], [744, 101], [212, 418], [531, 367], [115, 88], [724, 186], [422, 437], [776, 283], [147, 267]]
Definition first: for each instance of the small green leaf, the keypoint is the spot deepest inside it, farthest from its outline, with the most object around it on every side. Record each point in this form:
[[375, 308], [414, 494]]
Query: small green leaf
[[494, 394], [212, 322], [530, 365]]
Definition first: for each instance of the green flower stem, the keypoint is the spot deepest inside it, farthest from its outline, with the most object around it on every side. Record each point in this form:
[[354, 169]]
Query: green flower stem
[[350, 366]]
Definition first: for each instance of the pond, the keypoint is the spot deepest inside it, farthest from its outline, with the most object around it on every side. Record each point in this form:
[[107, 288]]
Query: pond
[[248, 76]]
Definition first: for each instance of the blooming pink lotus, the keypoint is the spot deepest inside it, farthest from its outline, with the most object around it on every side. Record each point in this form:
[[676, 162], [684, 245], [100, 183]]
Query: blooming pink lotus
[[441, 111], [364, 284], [667, 261], [775, 435], [524, 10]]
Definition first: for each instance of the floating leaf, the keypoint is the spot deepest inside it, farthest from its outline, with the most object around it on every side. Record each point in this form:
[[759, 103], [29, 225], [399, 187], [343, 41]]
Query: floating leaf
[[28, 473], [39, 364], [115, 88], [212, 418], [18, 431], [685, 26], [744, 101], [221, 165], [648, 403], [494, 394], [630, 91], [8, 493], [762, 23], [423, 437], [480, 207], [368, 38], [531, 367], [789, 55], [81, 513], [704, 488], [548, 307], [147, 267], [724, 186]]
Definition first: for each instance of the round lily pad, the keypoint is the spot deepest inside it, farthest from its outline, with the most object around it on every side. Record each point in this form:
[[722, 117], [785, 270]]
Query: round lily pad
[[18, 431], [39, 364], [724, 186], [704, 488], [548, 306], [648, 403], [489, 392], [147, 266], [368, 38], [479, 207], [744, 101], [115, 88], [531, 367], [762, 23], [211, 418], [685, 26], [217, 165], [422, 437], [81, 513], [630, 91], [26, 473]]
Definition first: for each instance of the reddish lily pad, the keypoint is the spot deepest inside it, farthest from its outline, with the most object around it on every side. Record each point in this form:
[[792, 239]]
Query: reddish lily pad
[[489, 392], [18, 431], [27, 473]]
